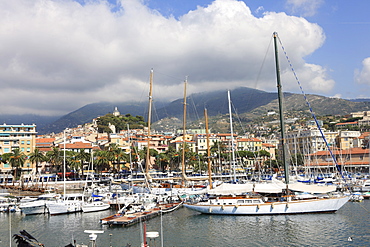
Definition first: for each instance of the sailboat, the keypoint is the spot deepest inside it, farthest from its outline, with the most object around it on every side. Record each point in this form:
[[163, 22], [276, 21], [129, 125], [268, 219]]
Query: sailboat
[[271, 199], [70, 203]]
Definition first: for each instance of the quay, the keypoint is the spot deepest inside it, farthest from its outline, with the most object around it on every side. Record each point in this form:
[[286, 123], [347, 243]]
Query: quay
[[131, 219]]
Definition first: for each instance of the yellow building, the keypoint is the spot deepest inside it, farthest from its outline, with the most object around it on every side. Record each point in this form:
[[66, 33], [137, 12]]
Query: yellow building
[[22, 137]]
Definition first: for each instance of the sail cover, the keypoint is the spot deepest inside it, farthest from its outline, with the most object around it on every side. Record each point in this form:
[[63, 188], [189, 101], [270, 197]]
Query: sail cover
[[312, 188], [230, 189], [268, 188]]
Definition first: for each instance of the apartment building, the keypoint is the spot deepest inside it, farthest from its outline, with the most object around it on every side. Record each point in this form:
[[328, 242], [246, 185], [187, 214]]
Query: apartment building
[[348, 139], [310, 140], [22, 137]]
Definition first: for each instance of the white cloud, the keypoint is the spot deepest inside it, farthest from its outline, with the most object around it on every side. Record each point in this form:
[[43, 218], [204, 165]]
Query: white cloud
[[363, 76], [56, 56], [337, 96], [305, 8]]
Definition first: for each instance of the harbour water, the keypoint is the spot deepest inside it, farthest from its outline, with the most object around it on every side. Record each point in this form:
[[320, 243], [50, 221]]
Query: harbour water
[[187, 228]]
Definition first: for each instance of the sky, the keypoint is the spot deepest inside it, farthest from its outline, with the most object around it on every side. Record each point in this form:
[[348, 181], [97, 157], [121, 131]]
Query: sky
[[59, 55]]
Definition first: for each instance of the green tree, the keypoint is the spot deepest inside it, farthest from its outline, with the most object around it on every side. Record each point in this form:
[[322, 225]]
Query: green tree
[[55, 158], [83, 157], [16, 161], [37, 157], [101, 158]]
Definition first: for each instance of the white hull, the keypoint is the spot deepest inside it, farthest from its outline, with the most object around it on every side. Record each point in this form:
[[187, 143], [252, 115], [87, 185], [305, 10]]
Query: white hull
[[64, 207], [36, 207], [293, 207], [95, 207]]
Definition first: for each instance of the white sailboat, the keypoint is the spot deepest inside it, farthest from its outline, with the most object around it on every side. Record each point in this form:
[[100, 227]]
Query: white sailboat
[[95, 203], [273, 198], [70, 203]]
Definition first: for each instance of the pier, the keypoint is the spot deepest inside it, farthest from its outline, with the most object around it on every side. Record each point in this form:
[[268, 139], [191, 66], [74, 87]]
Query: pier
[[126, 220]]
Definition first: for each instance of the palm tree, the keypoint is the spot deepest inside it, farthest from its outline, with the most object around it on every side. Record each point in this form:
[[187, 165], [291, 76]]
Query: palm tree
[[16, 160], [37, 157], [5, 159], [55, 157], [116, 155], [72, 161], [101, 159], [83, 157]]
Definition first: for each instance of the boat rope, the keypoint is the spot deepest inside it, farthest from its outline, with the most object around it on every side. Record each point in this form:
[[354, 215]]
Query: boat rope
[[360, 204], [311, 111]]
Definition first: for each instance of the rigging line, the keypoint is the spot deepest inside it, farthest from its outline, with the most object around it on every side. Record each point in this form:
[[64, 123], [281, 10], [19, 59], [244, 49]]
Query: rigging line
[[195, 108], [310, 108], [239, 120], [263, 64]]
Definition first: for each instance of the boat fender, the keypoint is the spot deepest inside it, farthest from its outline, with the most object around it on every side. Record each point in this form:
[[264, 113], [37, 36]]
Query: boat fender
[[210, 210], [217, 198], [287, 205], [222, 207], [258, 206], [236, 206], [272, 205]]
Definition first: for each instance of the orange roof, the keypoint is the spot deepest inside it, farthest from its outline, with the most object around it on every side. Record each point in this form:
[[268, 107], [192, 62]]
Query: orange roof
[[347, 123], [45, 140], [268, 145], [77, 145], [249, 140]]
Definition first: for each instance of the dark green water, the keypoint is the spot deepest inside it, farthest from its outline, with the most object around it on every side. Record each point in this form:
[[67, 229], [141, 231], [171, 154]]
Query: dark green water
[[187, 228]]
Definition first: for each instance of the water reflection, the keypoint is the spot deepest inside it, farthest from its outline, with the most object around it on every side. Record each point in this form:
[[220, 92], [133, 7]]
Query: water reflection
[[187, 228]]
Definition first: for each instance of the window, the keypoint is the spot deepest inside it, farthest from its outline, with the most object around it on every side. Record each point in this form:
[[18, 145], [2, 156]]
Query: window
[[28, 142], [6, 142], [6, 150], [22, 142]]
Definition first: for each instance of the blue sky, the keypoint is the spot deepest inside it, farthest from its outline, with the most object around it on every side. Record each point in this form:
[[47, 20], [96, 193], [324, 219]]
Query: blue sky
[[59, 55]]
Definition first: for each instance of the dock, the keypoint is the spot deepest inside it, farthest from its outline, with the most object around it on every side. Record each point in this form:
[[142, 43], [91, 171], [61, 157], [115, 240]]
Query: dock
[[132, 219]]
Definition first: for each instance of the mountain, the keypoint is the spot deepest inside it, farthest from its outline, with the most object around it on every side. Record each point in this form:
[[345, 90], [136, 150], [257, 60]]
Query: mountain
[[248, 103], [88, 112], [40, 121], [360, 100]]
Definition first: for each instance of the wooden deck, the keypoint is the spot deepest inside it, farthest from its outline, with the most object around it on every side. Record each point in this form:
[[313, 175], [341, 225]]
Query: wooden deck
[[131, 219]]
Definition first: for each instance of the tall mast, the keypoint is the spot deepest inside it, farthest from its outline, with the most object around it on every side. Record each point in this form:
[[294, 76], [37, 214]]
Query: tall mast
[[183, 134], [281, 113], [232, 137], [208, 151], [64, 165], [147, 163]]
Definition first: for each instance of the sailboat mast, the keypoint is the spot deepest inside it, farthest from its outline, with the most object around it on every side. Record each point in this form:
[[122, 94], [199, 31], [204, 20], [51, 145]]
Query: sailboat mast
[[147, 163], [183, 134], [232, 137], [64, 165], [208, 151], [281, 113]]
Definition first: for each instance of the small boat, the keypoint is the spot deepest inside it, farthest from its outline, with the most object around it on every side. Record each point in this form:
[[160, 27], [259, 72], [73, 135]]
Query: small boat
[[38, 205], [366, 186], [71, 203], [356, 197], [94, 206]]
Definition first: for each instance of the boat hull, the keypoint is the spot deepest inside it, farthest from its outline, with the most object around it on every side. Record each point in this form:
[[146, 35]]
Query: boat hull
[[64, 208], [33, 208], [94, 207], [324, 205]]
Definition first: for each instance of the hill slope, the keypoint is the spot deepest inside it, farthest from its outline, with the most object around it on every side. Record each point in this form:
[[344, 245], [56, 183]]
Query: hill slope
[[248, 103]]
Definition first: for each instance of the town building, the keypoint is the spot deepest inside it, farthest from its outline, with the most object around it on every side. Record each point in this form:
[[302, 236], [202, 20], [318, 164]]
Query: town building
[[22, 137]]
